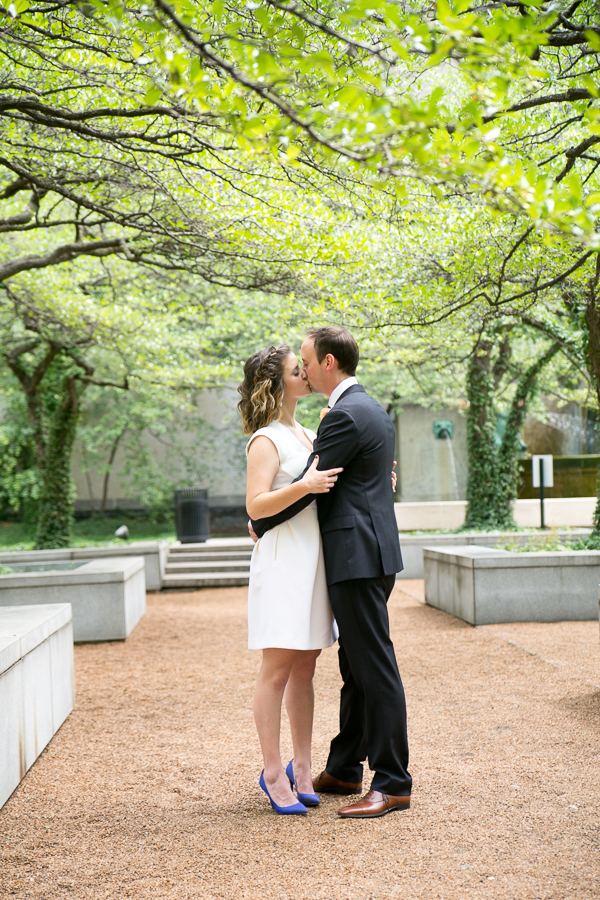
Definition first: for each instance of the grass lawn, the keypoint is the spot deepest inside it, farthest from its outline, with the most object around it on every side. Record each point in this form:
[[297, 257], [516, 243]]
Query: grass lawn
[[96, 532]]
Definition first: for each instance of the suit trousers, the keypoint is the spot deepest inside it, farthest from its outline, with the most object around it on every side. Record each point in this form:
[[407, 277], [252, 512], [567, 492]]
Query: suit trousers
[[372, 703]]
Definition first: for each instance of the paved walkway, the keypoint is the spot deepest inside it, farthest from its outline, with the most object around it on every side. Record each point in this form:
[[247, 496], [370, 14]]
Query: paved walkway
[[150, 788]]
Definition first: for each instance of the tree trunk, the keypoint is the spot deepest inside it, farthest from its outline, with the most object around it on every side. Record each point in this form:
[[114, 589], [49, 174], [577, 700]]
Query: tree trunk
[[508, 469], [88, 478], [592, 322], [493, 471], [56, 500], [111, 460], [481, 452]]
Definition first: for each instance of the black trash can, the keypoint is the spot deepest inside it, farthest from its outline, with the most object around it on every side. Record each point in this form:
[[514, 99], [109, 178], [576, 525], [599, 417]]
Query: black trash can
[[192, 518]]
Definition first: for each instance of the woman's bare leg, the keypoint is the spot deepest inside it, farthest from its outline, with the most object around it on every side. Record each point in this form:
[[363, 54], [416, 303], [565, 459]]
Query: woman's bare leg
[[300, 702], [272, 680]]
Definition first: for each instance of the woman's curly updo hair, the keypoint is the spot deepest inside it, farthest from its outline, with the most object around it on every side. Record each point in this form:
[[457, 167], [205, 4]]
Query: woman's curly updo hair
[[262, 388]]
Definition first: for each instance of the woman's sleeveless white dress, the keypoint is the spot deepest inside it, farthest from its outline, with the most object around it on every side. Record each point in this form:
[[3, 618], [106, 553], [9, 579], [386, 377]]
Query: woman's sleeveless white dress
[[288, 601]]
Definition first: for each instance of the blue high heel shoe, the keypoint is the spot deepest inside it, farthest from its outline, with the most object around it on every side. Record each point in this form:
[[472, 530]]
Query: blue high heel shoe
[[296, 809], [307, 799]]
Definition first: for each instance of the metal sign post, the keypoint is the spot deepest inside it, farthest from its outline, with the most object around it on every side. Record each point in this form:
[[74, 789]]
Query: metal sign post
[[543, 477]]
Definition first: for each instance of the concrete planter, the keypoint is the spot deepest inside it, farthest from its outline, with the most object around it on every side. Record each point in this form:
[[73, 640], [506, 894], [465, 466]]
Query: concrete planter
[[37, 685], [154, 553], [412, 544], [108, 596], [484, 586]]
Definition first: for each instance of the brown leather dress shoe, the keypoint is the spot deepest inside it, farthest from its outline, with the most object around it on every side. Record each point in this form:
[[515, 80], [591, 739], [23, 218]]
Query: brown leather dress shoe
[[327, 784], [374, 804]]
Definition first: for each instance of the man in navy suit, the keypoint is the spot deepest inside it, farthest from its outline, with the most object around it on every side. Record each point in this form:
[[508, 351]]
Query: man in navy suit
[[362, 556]]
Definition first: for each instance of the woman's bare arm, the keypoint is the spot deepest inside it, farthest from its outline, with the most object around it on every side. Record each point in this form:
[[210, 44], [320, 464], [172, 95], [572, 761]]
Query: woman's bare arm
[[263, 464]]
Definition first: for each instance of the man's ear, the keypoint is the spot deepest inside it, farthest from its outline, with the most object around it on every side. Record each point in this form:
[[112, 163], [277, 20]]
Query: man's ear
[[329, 362]]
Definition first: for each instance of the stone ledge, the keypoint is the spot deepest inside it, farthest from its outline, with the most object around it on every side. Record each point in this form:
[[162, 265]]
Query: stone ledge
[[108, 596], [494, 558], [23, 628], [466, 555], [486, 587], [154, 553], [37, 685], [101, 571], [412, 544]]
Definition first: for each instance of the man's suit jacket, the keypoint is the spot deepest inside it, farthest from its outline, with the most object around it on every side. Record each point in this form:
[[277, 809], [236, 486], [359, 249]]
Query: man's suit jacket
[[357, 519]]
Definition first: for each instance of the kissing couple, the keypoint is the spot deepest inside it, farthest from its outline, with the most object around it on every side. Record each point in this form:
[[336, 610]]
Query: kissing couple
[[326, 558]]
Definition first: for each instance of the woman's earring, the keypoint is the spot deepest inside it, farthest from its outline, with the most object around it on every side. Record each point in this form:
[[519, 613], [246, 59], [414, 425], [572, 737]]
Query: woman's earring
[[281, 402]]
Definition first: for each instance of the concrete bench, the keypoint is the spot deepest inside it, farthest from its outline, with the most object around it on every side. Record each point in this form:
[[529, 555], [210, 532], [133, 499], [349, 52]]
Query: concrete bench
[[412, 544], [154, 553], [485, 586], [37, 685], [108, 596]]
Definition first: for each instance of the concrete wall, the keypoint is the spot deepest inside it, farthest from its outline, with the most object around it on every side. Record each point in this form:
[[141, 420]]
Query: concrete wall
[[568, 430], [425, 471], [37, 685], [219, 461], [560, 512]]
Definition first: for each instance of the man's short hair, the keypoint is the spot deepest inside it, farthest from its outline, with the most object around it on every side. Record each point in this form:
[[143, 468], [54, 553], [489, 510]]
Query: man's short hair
[[339, 343]]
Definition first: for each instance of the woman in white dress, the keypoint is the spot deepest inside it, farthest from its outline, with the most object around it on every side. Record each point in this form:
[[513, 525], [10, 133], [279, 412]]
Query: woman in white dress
[[289, 615]]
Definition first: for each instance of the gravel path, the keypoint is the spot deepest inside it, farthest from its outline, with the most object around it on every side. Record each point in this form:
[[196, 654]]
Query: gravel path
[[150, 788]]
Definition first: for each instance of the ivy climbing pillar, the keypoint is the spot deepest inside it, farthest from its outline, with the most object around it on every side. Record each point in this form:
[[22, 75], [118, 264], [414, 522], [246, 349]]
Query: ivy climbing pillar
[[56, 502], [481, 451], [592, 323], [507, 473]]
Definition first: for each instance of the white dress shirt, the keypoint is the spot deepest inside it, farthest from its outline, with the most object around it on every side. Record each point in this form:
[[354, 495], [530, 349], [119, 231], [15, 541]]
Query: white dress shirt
[[339, 390]]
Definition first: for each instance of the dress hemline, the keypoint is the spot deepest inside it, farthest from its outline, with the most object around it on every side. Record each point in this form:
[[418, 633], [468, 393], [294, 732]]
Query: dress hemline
[[278, 647]]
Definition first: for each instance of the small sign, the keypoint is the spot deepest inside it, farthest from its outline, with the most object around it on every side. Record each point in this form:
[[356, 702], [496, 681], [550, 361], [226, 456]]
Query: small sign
[[545, 460]]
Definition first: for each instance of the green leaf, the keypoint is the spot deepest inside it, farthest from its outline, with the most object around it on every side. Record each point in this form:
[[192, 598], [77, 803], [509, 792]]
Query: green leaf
[[153, 95]]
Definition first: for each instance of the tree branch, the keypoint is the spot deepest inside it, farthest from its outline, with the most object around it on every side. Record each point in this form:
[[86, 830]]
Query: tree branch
[[24, 217], [570, 96], [262, 91], [124, 386], [64, 253], [568, 347]]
